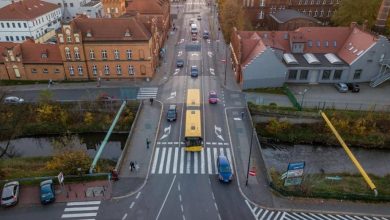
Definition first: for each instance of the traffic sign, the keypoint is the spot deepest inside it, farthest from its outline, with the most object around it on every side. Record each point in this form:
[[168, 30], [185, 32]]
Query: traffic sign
[[252, 172], [60, 177]]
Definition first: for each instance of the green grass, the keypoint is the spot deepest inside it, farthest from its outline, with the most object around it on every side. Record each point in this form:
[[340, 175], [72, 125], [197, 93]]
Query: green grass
[[278, 90]]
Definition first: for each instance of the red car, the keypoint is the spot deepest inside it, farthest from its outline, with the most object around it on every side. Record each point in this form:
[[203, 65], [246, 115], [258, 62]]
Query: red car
[[213, 98]]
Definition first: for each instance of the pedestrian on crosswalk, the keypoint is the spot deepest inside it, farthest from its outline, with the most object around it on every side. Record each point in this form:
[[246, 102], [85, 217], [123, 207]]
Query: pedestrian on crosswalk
[[136, 166]]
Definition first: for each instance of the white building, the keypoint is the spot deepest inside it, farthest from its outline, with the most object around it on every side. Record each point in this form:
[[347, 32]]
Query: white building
[[70, 8], [30, 18]]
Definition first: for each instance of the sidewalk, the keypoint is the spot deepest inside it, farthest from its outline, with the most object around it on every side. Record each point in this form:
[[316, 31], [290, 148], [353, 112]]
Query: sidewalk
[[95, 190], [145, 128]]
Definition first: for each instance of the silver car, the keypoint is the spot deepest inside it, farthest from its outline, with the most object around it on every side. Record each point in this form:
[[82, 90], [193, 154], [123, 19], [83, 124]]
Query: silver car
[[13, 100], [341, 87], [10, 194]]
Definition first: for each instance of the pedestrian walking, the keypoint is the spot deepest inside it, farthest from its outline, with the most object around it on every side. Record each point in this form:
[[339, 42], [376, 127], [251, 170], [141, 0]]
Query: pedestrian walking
[[151, 101], [131, 165], [147, 143]]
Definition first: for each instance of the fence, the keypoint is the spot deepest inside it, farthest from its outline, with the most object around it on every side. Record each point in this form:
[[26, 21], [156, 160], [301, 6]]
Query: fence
[[346, 106]]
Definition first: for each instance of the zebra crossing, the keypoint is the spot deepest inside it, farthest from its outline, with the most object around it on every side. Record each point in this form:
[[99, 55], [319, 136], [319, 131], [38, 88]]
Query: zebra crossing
[[175, 160], [77, 210], [147, 92], [262, 214]]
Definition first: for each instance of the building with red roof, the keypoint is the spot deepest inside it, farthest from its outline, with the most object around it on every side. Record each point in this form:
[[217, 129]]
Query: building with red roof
[[309, 55]]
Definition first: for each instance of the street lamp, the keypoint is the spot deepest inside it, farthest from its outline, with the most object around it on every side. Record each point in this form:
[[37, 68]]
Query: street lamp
[[303, 95]]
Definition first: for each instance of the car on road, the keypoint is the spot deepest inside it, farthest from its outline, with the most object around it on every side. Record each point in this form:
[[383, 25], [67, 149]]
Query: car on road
[[10, 194], [199, 18], [341, 87], [205, 35], [194, 37], [213, 97], [353, 87], [172, 113], [47, 192], [13, 100], [224, 169], [194, 71], [179, 63]]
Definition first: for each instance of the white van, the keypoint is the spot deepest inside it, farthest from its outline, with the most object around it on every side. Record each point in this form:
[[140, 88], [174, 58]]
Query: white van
[[194, 29]]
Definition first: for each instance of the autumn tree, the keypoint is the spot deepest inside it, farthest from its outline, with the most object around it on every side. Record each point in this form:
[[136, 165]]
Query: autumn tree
[[356, 11], [232, 15]]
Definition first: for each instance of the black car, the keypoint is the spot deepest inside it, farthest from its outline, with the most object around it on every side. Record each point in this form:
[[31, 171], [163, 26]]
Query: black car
[[194, 71], [353, 87], [172, 113], [179, 63]]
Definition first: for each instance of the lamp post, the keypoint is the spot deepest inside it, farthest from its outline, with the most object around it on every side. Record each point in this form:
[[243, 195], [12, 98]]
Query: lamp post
[[250, 153], [303, 95]]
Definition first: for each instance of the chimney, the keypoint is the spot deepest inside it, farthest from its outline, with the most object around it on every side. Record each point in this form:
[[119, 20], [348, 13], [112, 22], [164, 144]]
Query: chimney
[[353, 25]]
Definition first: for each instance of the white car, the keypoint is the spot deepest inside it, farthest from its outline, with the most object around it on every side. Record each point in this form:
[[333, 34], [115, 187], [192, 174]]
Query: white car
[[10, 194], [13, 99]]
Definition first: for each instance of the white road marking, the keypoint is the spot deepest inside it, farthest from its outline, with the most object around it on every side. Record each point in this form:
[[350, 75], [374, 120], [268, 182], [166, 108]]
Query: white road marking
[[215, 160], [209, 160], [229, 156], [83, 203], [168, 166], [138, 194], [131, 205], [160, 169], [202, 165], [237, 119], [214, 143], [124, 217], [155, 160], [79, 215], [170, 142], [195, 163], [165, 200], [188, 164], [89, 208], [181, 160], [175, 160]]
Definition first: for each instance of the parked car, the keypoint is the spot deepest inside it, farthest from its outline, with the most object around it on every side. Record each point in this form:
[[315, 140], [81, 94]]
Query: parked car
[[213, 98], [205, 35], [179, 63], [224, 169], [199, 18], [13, 100], [10, 194], [194, 71], [353, 87], [47, 192], [172, 113], [341, 87], [194, 37]]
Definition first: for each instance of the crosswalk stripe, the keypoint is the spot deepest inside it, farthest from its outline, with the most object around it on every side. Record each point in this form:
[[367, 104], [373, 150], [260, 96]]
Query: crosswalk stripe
[[195, 163], [270, 215], [155, 160], [332, 217], [188, 167], [358, 217], [258, 213], [83, 203], [209, 166], [277, 215], [324, 216], [79, 215], [175, 160], [215, 160], [264, 214], [221, 151], [283, 214], [341, 217], [160, 169], [168, 160], [88, 208], [181, 160], [202, 167], [306, 216], [229, 156]]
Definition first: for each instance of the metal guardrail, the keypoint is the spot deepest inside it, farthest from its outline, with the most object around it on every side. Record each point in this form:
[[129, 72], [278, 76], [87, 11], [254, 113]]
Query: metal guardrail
[[292, 98]]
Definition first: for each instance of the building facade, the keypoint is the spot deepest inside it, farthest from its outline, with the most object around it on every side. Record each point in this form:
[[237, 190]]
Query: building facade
[[114, 8], [29, 19], [259, 10], [116, 48], [309, 55], [72, 8], [289, 20]]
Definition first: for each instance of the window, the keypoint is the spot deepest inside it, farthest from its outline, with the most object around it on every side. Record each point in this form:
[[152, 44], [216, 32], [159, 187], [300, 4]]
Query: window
[[91, 54], [304, 74], [76, 53], [13, 25], [104, 54], [131, 70], [94, 70], [309, 43], [292, 74], [45, 71], [67, 53], [8, 25], [12, 38], [19, 25], [357, 74], [337, 74], [128, 54], [318, 43], [17, 38], [116, 54], [80, 70], [118, 69], [326, 74], [57, 70], [2, 25], [7, 38], [65, 4], [71, 4], [326, 43], [23, 38], [71, 70], [68, 39], [33, 70], [106, 70], [334, 43]]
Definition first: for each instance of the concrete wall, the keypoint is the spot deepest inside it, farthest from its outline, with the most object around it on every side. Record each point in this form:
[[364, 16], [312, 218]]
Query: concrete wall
[[264, 71]]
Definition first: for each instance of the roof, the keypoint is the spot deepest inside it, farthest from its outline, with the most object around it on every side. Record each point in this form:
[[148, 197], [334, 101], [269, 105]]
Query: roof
[[286, 15], [147, 6], [111, 29], [32, 52], [26, 10], [346, 42]]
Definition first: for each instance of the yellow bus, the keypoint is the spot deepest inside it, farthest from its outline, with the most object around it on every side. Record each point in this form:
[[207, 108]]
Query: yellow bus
[[193, 133], [193, 98]]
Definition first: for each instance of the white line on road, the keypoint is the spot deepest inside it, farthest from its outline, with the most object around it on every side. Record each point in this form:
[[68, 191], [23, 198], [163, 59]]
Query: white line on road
[[215, 160], [124, 217], [90, 208], [209, 160], [188, 167], [160, 169], [181, 160], [131, 205], [83, 203], [202, 165], [138, 194], [79, 215], [175, 160], [162, 206], [155, 160], [196, 163], [180, 197], [168, 166]]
